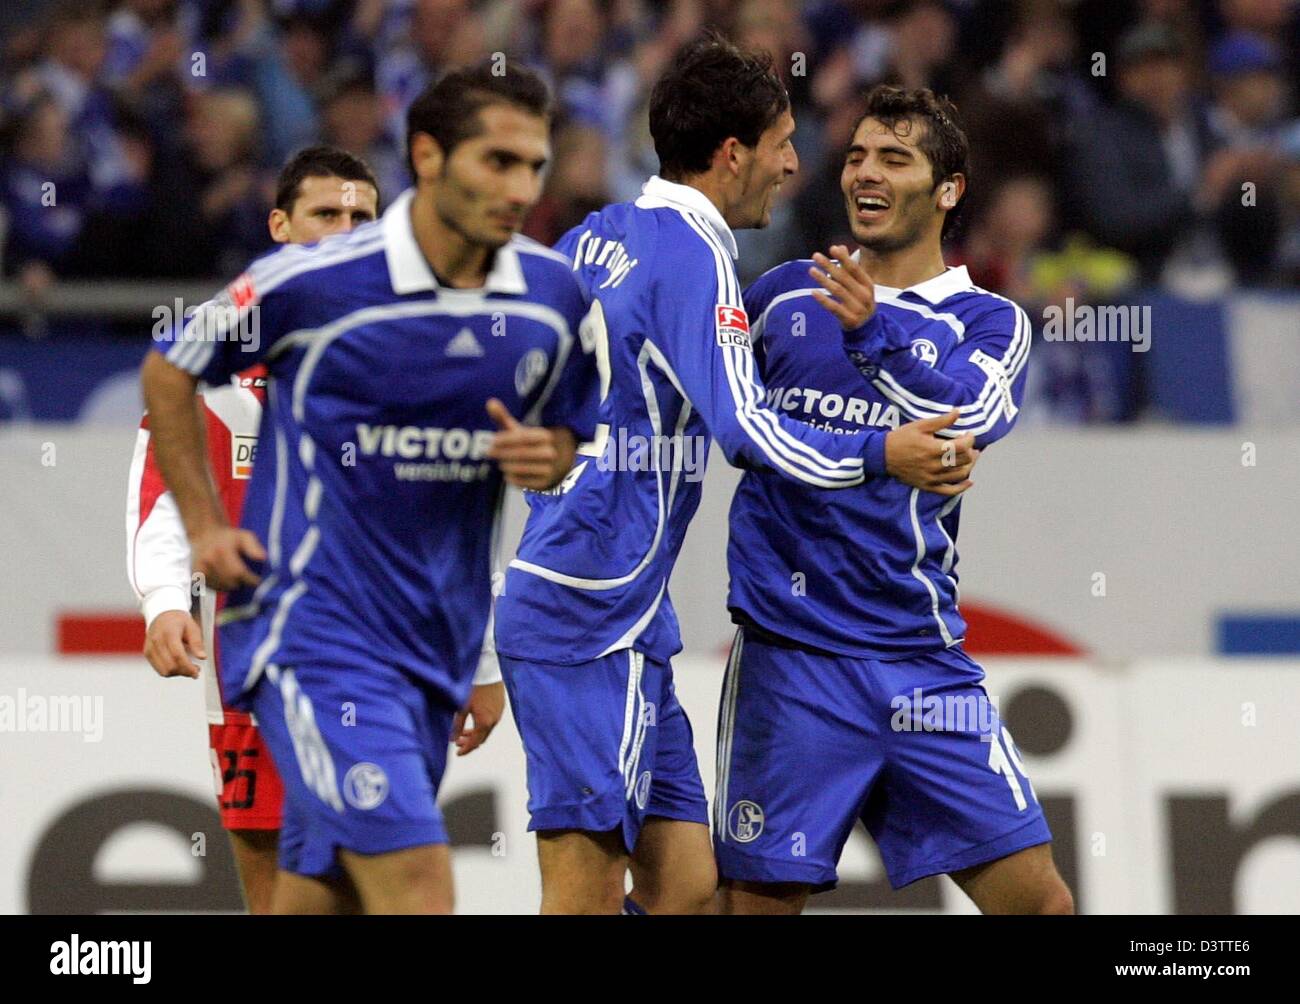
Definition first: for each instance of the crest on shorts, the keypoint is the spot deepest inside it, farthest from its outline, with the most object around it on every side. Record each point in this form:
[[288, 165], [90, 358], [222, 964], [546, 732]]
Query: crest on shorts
[[643, 790], [365, 786], [745, 821]]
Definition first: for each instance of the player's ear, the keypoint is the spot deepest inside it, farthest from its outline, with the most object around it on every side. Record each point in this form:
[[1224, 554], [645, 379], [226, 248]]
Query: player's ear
[[951, 191], [733, 155], [426, 156], [278, 224]]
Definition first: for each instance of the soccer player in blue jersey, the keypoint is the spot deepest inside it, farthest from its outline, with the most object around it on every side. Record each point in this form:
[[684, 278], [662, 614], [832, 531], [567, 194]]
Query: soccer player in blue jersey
[[394, 354], [848, 695], [584, 625]]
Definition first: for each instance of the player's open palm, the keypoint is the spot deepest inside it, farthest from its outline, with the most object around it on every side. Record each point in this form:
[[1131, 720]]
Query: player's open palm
[[473, 724], [847, 291], [916, 456], [218, 555], [172, 643]]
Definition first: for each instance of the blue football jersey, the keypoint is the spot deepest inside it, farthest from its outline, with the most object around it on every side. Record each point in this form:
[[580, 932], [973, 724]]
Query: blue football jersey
[[671, 338], [372, 491], [873, 571]]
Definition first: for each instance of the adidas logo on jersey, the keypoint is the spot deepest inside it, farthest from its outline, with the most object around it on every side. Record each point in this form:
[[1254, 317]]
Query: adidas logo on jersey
[[464, 345]]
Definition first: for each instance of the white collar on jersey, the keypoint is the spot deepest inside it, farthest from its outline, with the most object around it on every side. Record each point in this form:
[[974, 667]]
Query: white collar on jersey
[[657, 193], [935, 291], [409, 270]]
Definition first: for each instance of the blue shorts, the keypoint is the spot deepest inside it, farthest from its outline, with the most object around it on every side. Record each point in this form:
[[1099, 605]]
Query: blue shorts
[[607, 744], [809, 744], [361, 756]]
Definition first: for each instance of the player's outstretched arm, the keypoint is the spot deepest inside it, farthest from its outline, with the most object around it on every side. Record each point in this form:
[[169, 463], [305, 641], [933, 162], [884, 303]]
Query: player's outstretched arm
[[716, 371], [217, 549], [983, 378]]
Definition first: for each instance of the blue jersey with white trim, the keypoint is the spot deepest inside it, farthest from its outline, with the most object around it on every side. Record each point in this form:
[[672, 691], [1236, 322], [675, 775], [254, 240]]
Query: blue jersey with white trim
[[671, 339], [372, 492], [872, 572]]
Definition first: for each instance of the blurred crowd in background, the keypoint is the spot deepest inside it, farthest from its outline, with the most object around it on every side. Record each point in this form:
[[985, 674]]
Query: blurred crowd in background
[[1116, 144]]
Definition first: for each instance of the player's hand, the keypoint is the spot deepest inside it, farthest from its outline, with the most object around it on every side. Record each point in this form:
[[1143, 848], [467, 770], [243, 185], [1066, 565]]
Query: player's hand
[[487, 702], [218, 555], [530, 457], [173, 641], [849, 293], [917, 457]]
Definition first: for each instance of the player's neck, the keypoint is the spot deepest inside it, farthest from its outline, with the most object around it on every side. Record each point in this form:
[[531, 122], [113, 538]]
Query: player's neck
[[711, 187], [456, 261], [905, 267]]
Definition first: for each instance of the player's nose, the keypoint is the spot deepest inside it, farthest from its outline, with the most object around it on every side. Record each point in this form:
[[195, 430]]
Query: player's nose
[[868, 172], [523, 189]]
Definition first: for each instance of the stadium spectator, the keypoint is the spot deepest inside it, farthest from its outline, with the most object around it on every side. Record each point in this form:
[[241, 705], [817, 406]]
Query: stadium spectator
[[572, 54], [1002, 245], [1247, 117], [352, 118], [1146, 150], [44, 187], [1249, 91], [1018, 109], [575, 187], [212, 204], [418, 43], [145, 47], [1142, 169]]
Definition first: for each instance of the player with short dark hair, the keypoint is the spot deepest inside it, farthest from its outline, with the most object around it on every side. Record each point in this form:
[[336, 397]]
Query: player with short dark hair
[[299, 189], [413, 365], [585, 626], [322, 191], [449, 113], [848, 695]]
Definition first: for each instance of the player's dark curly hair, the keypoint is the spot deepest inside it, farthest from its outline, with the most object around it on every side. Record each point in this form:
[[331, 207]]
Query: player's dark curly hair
[[943, 141], [448, 109], [712, 91]]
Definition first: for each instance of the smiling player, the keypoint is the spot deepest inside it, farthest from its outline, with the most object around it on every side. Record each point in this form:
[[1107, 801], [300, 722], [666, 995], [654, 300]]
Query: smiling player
[[811, 737], [585, 626]]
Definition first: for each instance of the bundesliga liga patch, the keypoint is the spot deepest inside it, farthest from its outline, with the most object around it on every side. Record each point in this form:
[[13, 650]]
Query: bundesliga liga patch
[[732, 326], [242, 291]]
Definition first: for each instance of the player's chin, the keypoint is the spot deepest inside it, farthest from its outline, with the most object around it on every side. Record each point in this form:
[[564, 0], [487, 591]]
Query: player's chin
[[865, 233], [498, 233]]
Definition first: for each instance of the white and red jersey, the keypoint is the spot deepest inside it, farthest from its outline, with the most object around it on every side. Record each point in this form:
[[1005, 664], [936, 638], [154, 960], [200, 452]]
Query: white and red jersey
[[157, 547]]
